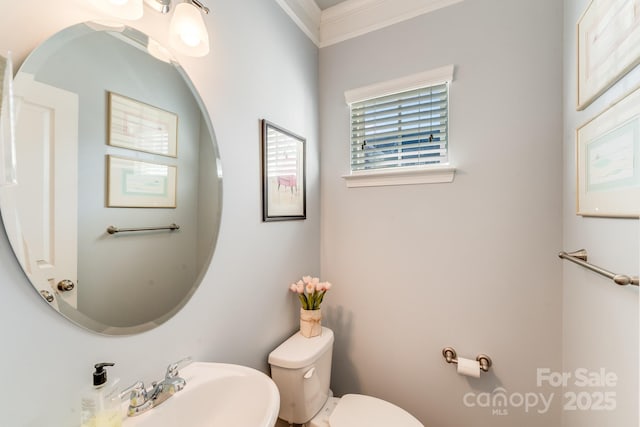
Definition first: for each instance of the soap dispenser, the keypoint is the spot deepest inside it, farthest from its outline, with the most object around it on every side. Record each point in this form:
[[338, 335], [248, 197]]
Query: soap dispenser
[[101, 403]]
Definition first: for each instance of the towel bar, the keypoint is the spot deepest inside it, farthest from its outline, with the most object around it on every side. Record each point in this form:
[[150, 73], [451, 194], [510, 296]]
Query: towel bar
[[113, 230], [580, 257]]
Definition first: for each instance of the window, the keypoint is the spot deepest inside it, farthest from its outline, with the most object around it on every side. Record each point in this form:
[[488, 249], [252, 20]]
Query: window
[[401, 125], [403, 129]]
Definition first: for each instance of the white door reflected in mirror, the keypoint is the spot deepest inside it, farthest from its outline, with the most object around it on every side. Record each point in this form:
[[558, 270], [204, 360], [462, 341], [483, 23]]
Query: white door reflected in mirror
[[47, 204]]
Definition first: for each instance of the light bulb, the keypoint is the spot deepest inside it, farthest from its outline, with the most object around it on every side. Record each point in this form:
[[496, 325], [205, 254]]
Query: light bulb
[[190, 36], [187, 31]]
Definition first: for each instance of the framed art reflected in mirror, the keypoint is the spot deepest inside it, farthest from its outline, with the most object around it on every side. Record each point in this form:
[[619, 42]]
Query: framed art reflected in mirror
[[142, 127], [608, 162], [608, 46], [283, 174], [136, 184]]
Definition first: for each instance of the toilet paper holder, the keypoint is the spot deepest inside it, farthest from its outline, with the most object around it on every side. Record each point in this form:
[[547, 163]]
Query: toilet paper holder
[[451, 356]]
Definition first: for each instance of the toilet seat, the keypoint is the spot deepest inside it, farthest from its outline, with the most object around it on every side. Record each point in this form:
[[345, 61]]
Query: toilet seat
[[359, 410]]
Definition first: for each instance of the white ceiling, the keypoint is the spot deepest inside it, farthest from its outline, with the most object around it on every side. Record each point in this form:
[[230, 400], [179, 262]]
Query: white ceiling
[[323, 4]]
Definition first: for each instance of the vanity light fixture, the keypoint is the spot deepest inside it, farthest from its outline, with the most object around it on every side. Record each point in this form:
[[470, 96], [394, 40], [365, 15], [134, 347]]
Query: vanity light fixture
[[162, 6], [187, 31]]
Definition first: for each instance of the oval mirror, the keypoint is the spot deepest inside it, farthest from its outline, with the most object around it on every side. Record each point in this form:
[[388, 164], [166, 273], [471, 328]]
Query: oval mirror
[[116, 207]]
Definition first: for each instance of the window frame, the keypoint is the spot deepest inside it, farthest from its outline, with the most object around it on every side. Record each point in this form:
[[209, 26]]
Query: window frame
[[401, 175]]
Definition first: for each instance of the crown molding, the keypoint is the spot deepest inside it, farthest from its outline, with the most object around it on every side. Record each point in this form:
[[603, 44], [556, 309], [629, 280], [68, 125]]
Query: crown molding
[[353, 18], [306, 14]]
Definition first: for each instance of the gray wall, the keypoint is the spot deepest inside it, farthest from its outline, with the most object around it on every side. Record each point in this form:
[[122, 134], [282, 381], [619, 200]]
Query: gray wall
[[470, 264], [600, 319], [261, 66]]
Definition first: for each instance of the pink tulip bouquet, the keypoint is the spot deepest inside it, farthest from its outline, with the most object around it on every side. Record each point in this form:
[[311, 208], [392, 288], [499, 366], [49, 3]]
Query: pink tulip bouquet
[[310, 291]]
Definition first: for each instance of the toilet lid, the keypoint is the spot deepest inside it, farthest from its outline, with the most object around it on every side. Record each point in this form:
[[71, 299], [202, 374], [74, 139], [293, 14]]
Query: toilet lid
[[358, 410]]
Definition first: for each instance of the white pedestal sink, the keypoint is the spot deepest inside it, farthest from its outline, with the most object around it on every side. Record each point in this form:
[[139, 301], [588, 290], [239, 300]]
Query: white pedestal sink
[[216, 394]]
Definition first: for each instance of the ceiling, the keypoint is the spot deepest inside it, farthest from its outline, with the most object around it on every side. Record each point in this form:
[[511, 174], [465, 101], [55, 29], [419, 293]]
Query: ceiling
[[324, 4]]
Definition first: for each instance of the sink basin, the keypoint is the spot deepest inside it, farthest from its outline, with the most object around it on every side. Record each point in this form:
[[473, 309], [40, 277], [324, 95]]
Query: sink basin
[[216, 394]]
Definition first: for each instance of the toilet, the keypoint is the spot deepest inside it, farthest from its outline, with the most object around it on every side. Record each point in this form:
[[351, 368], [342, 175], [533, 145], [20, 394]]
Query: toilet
[[301, 368]]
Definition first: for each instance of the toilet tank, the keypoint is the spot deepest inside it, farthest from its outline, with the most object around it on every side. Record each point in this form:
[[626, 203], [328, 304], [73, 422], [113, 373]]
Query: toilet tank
[[301, 368]]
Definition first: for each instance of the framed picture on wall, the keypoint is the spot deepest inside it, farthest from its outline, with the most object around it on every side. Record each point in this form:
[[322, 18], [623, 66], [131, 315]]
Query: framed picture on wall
[[283, 174], [142, 127], [135, 184], [608, 162], [608, 46]]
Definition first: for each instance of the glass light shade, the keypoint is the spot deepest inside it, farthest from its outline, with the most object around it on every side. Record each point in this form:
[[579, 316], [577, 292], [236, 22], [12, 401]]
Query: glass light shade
[[123, 9], [187, 31]]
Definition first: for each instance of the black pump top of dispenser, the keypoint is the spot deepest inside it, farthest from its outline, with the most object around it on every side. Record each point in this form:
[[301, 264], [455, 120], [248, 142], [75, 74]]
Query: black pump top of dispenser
[[100, 375]]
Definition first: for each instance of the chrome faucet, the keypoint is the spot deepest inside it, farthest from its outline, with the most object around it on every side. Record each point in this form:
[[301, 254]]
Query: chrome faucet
[[141, 399]]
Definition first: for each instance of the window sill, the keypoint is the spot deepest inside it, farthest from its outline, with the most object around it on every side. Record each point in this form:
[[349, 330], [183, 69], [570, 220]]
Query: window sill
[[426, 175]]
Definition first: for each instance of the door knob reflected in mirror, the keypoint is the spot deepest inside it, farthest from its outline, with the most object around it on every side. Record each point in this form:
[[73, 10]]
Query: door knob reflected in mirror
[[47, 295], [66, 285]]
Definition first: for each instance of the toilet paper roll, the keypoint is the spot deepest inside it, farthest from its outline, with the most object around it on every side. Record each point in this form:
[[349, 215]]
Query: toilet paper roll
[[468, 367]]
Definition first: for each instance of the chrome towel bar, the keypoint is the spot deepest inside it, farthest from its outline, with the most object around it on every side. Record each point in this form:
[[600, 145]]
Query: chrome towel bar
[[580, 257], [113, 230]]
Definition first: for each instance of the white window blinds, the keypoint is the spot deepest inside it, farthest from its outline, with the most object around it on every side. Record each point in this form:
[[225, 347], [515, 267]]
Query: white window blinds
[[400, 130]]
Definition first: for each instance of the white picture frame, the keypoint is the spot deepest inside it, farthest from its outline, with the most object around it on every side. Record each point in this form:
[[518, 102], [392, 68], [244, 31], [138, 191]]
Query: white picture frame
[[608, 162], [608, 46]]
